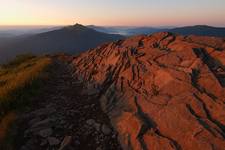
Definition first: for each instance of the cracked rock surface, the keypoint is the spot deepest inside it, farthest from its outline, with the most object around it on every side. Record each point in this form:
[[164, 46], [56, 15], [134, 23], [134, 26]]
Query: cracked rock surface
[[161, 92]]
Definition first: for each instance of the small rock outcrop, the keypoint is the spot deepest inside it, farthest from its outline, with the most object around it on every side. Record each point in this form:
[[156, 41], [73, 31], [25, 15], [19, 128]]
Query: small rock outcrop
[[161, 92]]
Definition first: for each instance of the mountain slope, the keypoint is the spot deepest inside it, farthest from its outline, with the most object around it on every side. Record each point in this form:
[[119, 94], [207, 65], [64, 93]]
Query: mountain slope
[[72, 39], [161, 91], [201, 30]]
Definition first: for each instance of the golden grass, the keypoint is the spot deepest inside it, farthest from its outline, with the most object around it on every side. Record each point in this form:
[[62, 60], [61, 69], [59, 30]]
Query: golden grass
[[14, 78], [15, 84]]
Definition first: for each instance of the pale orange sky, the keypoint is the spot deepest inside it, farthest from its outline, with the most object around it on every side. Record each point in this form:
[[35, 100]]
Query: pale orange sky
[[113, 12]]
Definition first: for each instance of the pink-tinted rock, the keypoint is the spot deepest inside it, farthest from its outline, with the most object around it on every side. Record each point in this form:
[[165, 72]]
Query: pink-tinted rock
[[161, 91]]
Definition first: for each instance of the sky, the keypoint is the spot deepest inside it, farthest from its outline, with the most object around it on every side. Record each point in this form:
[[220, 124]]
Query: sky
[[113, 12]]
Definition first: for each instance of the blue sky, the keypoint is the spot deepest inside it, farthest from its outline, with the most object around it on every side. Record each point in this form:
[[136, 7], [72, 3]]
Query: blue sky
[[113, 12]]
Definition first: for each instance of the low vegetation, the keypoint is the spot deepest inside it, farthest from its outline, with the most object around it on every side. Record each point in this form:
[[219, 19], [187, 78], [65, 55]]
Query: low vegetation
[[19, 80]]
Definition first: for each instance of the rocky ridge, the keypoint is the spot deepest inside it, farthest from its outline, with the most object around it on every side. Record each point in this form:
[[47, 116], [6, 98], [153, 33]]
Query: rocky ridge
[[161, 91]]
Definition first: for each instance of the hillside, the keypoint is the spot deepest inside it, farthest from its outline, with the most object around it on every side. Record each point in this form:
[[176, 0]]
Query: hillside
[[19, 81], [201, 30], [161, 91], [71, 39]]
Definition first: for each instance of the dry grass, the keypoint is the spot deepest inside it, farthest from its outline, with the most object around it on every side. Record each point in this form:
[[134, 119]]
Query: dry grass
[[17, 77], [18, 82]]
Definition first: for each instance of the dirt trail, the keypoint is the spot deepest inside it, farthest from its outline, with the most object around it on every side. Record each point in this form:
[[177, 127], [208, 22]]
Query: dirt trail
[[66, 117]]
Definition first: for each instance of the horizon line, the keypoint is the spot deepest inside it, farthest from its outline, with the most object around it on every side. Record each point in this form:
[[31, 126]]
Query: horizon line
[[64, 25]]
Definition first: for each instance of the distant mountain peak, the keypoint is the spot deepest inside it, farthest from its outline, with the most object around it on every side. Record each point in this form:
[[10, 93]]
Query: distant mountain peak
[[203, 25], [77, 27], [198, 26], [70, 39]]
